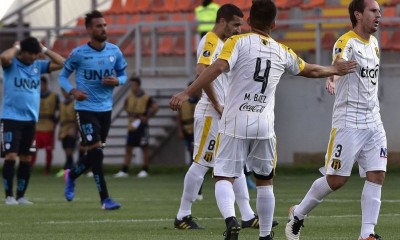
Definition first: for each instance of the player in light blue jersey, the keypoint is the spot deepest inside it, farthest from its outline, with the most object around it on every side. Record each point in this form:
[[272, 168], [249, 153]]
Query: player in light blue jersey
[[99, 67], [20, 109]]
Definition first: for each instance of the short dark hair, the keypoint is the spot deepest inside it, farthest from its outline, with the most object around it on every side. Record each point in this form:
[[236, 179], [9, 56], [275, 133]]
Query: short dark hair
[[227, 12], [136, 79], [262, 14], [31, 45], [355, 5], [90, 16]]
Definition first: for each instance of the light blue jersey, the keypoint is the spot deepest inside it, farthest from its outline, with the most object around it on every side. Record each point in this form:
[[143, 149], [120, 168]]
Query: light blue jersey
[[91, 66], [21, 90]]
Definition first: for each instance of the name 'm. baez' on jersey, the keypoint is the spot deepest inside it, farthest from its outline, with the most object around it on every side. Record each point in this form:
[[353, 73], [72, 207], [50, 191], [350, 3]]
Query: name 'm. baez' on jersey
[[256, 64]]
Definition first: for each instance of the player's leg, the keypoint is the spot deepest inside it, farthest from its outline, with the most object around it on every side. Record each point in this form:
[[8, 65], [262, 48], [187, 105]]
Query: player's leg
[[230, 154], [24, 168], [343, 149], [373, 161], [193, 180], [243, 201], [262, 162]]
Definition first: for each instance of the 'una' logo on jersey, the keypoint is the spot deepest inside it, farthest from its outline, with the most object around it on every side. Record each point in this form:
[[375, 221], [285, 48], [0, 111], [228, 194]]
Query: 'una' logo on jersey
[[370, 73], [26, 83], [97, 74]]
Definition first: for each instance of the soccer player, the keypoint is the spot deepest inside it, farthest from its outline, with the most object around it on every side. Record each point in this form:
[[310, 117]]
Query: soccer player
[[206, 118], [20, 110], [246, 129], [140, 108], [99, 67], [357, 132], [48, 118]]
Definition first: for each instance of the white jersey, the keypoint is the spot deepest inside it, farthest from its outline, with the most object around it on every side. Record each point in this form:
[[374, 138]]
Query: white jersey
[[208, 50], [256, 64], [356, 102]]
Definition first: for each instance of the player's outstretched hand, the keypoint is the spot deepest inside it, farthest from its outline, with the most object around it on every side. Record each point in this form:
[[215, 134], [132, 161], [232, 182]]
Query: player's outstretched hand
[[330, 85], [79, 95], [344, 67], [176, 101]]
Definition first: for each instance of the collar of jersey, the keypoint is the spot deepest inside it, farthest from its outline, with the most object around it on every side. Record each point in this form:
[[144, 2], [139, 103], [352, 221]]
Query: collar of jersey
[[355, 35]]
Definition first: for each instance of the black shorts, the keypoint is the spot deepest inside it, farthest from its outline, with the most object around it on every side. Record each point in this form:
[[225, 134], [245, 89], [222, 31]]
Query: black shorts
[[139, 137], [17, 136], [69, 142], [93, 126]]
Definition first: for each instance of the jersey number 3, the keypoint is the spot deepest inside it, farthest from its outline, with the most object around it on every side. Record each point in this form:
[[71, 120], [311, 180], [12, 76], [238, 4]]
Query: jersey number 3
[[264, 77]]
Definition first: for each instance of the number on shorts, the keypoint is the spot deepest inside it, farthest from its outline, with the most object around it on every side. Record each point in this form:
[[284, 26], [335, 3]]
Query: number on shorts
[[338, 150], [211, 145], [264, 78]]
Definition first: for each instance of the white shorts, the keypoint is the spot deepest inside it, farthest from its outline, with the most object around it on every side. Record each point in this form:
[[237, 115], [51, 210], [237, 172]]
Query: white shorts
[[233, 153], [205, 134], [346, 146]]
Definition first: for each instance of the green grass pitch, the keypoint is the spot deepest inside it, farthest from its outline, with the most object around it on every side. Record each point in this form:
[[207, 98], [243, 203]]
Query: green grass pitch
[[149, 206]]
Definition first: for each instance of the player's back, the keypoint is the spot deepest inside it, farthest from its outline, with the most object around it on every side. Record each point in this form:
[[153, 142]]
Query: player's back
[[356, 102], [256, 64]]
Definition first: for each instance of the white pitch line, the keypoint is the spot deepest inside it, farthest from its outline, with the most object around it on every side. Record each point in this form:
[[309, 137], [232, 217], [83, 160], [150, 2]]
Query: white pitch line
[[170, 220]]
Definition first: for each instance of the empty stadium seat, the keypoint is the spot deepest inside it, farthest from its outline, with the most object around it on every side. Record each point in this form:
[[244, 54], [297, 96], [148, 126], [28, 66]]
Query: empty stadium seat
[[312, 4], [116, 8], [328, 40], [287, 4], [395, 41], [390, 12]]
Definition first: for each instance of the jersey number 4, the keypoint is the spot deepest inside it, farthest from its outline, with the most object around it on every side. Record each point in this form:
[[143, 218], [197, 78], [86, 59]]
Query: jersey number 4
[[264, 77]]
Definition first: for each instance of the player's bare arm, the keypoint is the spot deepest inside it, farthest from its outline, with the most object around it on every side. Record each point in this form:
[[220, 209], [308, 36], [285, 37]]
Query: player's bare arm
[[209, 90], [339, 67], [57, 61], [206, 77], [7, 56]]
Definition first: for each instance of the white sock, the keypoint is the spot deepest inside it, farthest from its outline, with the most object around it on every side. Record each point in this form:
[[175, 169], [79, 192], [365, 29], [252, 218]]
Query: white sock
[[225, 198], [191, 186], [265, 208], [370, 205], [319, 189], [243, 198]]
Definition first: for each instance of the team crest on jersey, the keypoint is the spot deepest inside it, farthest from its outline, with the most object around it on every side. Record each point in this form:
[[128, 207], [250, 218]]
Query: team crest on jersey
[[206, 53], [338, 50], [377, 52], [111, 58], [336, 164], [35, 70]]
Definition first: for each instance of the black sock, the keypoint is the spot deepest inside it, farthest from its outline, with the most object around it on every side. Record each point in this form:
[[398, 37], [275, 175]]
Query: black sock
[[125, 168], [83, 165], [23, 175], [96, 157], [69, 163], [145, 168], [8, 176]]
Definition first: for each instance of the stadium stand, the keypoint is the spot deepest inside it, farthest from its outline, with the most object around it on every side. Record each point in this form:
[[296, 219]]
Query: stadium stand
[[312, 4]]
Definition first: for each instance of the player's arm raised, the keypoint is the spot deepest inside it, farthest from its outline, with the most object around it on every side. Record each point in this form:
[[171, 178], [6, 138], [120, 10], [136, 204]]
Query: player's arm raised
[[339, 67], [206, 77]]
